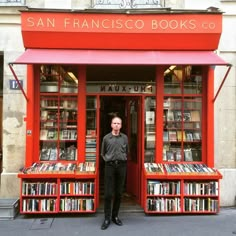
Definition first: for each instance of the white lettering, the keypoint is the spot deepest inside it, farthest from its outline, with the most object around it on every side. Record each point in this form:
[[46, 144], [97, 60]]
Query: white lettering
[[30, 20], [139, 24], [66, 22]]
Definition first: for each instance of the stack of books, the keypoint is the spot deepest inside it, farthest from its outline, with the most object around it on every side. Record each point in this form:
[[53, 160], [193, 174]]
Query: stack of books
[[59, 168], [154, 168], [86, 167], [175, 168]]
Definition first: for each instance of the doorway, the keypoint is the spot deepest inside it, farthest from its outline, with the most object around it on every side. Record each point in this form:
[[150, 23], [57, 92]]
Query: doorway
[[128, 108]]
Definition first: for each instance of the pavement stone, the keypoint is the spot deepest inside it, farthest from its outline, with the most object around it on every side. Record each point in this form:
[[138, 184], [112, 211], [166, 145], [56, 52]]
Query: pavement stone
[[135, 224]]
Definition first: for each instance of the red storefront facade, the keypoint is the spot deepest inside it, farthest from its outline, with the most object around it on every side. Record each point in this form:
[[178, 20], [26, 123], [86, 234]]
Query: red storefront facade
[[156, 71]]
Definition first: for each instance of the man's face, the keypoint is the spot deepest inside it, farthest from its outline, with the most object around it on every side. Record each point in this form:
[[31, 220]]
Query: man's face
[[116, 124]]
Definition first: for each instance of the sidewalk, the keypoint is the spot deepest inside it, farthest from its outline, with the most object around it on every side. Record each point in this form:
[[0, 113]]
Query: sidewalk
[[135, 224]]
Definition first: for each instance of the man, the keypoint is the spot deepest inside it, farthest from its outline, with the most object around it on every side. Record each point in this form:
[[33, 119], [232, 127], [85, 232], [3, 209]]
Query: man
[[114, 151]]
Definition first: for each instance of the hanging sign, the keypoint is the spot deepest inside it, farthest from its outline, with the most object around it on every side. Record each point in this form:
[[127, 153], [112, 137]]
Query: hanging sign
[[121, 88]]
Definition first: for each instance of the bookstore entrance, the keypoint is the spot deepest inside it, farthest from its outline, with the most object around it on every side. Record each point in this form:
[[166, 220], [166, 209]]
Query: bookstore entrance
[[128, 108]]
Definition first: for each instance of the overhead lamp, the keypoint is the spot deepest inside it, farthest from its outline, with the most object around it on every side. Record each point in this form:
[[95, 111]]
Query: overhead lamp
[[171, 68], [72, 76]]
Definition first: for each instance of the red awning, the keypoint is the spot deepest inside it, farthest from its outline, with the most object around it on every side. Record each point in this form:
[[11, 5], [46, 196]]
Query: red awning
[[118, 57]]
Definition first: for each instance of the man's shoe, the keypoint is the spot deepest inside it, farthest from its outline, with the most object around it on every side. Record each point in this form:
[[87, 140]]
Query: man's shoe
[[117, 221], [105, 224]]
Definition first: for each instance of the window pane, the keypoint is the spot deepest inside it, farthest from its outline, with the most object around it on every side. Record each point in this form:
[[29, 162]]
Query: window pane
[[150, 129]]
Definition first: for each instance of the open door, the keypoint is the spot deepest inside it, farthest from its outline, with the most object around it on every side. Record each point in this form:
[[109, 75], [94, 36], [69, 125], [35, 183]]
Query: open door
[[129, 109], [134, 135]]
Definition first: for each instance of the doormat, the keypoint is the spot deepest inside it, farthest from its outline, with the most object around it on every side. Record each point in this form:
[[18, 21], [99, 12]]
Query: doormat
[[43, 223]]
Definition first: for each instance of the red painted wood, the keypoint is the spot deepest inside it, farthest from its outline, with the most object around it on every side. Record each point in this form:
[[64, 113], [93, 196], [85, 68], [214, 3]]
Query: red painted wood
[[168, 31]]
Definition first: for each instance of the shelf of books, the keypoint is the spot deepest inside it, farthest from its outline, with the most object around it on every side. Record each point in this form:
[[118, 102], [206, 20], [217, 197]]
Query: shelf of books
[[182, 114], [181, 189], [58, 128], [182, 129], [58, 113], [91, 135], [58, 188]]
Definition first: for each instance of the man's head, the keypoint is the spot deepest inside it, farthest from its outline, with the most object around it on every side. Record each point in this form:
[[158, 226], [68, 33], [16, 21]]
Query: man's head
[[116, 124]]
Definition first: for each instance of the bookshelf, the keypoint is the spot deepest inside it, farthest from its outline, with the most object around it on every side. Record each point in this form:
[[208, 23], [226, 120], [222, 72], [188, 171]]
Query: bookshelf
[[179, 181], [58, 127], [58, 188], [182, 115], [150, 131], [91, 133], [58, 180], [181, 189]]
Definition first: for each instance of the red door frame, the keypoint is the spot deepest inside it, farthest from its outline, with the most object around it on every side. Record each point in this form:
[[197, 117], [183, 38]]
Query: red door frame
[[139, 140]]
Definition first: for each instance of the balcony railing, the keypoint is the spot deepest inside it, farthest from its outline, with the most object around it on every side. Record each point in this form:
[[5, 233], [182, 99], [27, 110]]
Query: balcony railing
[[127, 4], [12, 2]]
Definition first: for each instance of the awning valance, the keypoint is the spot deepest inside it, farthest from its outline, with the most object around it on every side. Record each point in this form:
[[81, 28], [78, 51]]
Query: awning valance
[[118, 57]]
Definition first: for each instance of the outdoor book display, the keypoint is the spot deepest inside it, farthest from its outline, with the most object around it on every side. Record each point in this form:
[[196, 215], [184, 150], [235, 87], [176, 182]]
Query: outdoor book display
[[58, 188], [57, 180], [179, 181], [181, 188]]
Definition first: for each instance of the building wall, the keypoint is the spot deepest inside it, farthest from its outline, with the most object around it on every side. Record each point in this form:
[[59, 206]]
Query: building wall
[[14, 103], [225, 109]]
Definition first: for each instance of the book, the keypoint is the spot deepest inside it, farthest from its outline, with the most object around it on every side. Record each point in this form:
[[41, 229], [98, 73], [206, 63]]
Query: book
[[45, 154], [189, 136], [196, 154], [188, 155], [170, 115], [196, 136], [195, 116], [53, 154], [150, 117], [43, 134], [178, 116], [170, 156], [51, 134], [65, 134], [172, 136], [73, 134], [181, 135], [187, 116], [178, 155], [44, 115], [150, 140], [165, 136]]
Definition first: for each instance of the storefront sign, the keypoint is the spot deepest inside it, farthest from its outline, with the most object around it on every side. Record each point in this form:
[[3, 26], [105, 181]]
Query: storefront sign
[[77, 30], [161, 23], [121, 88]]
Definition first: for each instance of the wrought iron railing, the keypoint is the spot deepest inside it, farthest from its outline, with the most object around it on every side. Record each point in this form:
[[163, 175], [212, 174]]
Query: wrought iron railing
[[128, 4], [12, 1]]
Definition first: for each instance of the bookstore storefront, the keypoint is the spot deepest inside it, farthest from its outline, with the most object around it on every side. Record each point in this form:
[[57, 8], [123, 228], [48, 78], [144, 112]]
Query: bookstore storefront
[[155, 71]]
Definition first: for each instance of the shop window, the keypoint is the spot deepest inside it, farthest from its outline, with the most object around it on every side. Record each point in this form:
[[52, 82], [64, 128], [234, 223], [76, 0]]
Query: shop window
[[182, 129], [150, 129], [91, 129], [12, 2], [58, 113], [1, 74]]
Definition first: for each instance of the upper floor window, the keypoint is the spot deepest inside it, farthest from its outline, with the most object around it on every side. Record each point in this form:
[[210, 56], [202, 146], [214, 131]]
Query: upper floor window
[[127, 4], [12, 2]]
